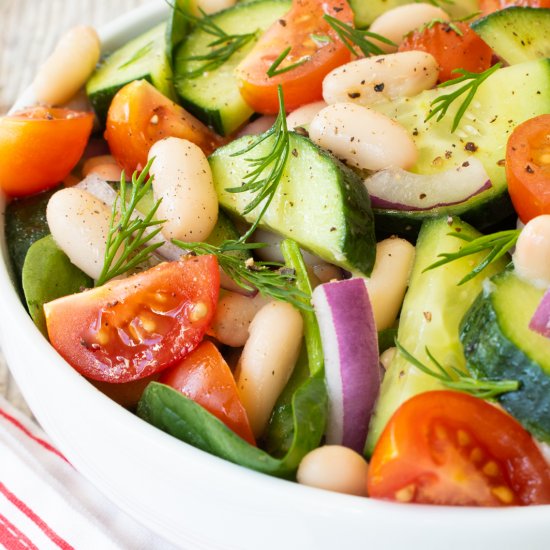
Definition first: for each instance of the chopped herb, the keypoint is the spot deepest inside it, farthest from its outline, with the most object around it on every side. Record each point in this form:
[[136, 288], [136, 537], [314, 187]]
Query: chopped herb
[[142, 52], [274, 68], [473, 82], [356, 38], [321, 39], [455, 379]]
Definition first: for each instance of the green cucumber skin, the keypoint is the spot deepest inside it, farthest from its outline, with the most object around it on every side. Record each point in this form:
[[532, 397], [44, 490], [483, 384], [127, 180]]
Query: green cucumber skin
[[516, 34], [353, 246], [490, 354]]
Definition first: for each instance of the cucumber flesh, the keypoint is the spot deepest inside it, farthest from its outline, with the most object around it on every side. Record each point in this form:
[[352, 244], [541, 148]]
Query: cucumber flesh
[[214, 96], [432, 311], [508, 97], [143, 58], [499, 344], [320, 203], [517, 34]]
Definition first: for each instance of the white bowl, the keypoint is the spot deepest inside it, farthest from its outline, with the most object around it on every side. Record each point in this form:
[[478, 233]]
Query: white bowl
[[196, 500]]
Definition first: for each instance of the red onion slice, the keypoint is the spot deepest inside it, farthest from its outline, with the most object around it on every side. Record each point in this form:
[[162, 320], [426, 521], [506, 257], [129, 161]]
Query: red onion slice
[[397, 189], [350, 348], [540, 322]]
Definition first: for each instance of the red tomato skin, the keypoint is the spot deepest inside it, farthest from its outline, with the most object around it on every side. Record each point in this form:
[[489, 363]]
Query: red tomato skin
[[421, 457], [451, 50], [128, 329], [140, 115], [303, 84], [528, 167], [490, 6], [205, 377], [39, 147]]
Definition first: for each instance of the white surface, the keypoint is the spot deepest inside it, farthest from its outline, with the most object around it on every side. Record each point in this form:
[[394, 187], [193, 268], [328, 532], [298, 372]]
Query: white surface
[[201, 502]]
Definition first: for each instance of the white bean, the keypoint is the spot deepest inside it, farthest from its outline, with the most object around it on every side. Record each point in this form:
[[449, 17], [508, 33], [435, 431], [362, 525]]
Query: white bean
[[397, 22], [79, 224], [104, 167], [303, 115], [389, 279], [334, 468], [68, 67], [233, 317], [380, 78], [387, 357], [183, 180], [362, 137], [258, 126], [268, 359], [532, 254]]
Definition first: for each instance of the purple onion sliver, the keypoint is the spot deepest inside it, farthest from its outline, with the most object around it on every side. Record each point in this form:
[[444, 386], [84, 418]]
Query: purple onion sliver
[[540, 322]]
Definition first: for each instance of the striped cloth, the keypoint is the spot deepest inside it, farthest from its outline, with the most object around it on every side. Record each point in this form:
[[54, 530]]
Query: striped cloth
[[46, 504]]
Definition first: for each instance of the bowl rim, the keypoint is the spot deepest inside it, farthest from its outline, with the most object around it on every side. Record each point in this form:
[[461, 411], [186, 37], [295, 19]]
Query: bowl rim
[[322, 501]]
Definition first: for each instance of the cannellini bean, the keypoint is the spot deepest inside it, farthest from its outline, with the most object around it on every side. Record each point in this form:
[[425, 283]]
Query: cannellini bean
[[268, 359], [303, 115], [233, 317], [104, 167], [68, 67], [183, 180], [387, 357], [79, 224], [397, 22], [210, 6], [334, 468], [384, 77], [258, 126], [362, 137], [389, 279], [532, 254]]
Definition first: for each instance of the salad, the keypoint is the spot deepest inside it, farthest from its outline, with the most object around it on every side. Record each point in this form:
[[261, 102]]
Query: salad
[[260, 229]]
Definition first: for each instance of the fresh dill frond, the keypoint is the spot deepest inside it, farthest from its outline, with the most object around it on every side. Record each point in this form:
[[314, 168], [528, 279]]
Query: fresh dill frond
[[142, 52], [129, 238], [267, 170], [269, 278], [274, 68], [356, 38], [496, 244], [455, 379], [440, 105]]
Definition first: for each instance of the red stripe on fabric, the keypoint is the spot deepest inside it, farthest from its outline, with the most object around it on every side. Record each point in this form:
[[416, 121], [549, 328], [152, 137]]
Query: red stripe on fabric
[[13, 539], [52, 535], [41, 442]]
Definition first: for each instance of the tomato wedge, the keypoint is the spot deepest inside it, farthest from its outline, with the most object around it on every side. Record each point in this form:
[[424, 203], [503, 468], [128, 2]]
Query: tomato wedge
[[490, 6], [447, 447], [140, 115], [205, 377], [528, 167], [39, 147], [452, 50], [298, 31], [131, 328]]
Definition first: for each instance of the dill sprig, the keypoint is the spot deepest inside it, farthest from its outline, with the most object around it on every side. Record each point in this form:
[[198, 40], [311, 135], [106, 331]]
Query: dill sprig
[[472, 81], [142, 52], [128, 238], [266, 171], [222, 48], [269, 278], [455, 379], [357, 38], [497, 245], [274, 68]]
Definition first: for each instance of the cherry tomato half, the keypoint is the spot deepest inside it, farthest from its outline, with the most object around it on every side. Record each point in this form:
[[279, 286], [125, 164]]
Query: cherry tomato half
[[205, 377], [297, 30], [452, 50], [39, 147], [490, 6], [446, 447], [131, 328], [140, 115], [528, 167]]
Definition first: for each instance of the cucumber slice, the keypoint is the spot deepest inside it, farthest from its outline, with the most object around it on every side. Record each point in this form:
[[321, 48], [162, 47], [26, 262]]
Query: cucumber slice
[[498, 344], [366, 11], [517, 34], [507, 98], [214, 97], [432, 311], [320, 203], [142, 58]]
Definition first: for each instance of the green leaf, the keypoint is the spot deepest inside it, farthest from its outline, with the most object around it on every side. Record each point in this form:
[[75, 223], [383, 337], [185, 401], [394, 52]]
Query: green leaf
[[172, 412]]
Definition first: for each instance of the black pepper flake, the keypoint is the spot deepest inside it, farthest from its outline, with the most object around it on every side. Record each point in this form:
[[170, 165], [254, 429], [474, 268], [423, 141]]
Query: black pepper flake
[[282, 22], [354, 95], [471, 146], [294, 152], [379, 87], [332, 229], [422, 196], [529, 170], [300, 130]]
